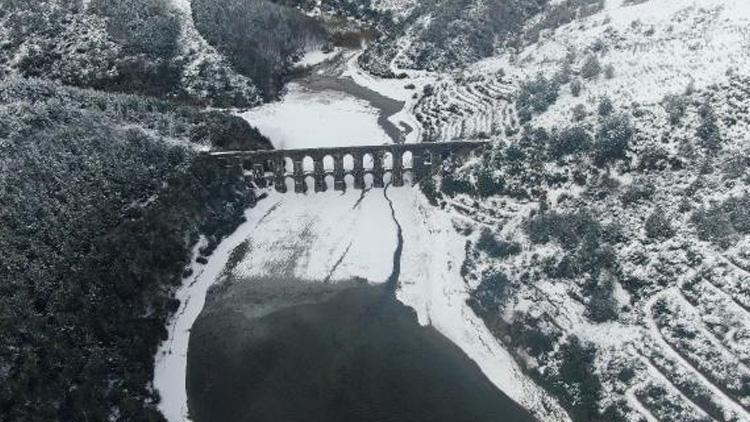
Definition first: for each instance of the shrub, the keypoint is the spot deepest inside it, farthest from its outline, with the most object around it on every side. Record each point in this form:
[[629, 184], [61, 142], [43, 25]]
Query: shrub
[[708, 130], [612, 138], [568, 229], [427, 186], [640, 190], [525, 331], [658, 226], [591, 67], [576, 382], [605, 107], [736, 166], [487, 184], [564, 73], [575, 87], [602, 305], [536, 95], [494, 247], [724, 222], [655, 157], [451, 186], [492, 292], [675, 106], [569, 141], [609, 71], [579, 113]]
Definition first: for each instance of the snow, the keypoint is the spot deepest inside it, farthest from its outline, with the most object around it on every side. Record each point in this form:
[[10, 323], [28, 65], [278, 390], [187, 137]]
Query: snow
[[315, 57], [330, 236], [304, 119]]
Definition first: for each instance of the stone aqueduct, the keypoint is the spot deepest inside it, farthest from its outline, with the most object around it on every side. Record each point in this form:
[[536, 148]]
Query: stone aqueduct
[[274, 167]]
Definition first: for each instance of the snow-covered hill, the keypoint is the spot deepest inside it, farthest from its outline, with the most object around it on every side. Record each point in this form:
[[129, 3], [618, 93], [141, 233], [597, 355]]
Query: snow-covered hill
[[654, 48], [643, 272]]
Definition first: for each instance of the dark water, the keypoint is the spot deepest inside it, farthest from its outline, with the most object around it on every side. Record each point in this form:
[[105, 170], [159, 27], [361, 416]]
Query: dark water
[[355, 354]]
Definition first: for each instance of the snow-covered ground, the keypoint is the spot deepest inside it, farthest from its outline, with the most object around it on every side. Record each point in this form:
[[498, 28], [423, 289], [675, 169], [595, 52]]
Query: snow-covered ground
[[655, 48], [396, 89], [317, 56], [328, 236], [305, 118]]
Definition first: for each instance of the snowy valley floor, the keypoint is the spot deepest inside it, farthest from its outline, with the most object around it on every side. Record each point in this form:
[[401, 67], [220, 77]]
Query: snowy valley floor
[[333, 236]]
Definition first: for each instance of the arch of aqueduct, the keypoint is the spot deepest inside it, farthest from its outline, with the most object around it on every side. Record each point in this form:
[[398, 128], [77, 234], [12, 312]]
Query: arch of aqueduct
[[274, 167]]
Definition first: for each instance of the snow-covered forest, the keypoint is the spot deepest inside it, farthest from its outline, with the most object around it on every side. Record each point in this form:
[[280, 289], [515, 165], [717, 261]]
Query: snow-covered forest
[[605, 232]]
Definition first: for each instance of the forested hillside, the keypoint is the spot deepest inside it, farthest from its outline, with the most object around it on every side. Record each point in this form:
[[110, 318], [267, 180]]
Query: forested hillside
[[132, 46], [102, 196], [259, 37], [101, 199]]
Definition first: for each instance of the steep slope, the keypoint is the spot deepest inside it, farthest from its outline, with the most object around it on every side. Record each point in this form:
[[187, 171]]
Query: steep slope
[[102, 197], [608, 226], [145, 46]]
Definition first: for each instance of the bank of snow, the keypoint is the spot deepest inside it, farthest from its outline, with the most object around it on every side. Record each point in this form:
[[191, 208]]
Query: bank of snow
[[323, 237], [407, 90], [306, 119]]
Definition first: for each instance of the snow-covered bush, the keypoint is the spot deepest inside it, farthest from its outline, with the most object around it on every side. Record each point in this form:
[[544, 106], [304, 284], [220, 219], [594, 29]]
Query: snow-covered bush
[[612, 138], [658, 225], [708, 131], [675, 106], [568, 141], [492, 291], [605, 107], [536, 95], [725, 222], [495, 247], [576, 86], [640, 190], [591, 67]]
